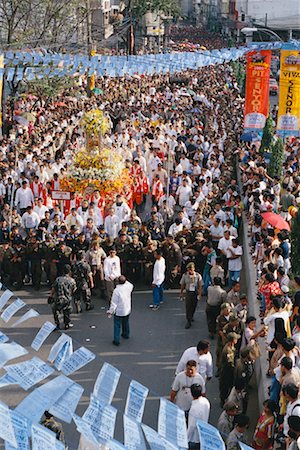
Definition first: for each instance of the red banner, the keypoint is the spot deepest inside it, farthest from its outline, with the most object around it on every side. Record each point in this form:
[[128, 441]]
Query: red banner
[[257, 89]]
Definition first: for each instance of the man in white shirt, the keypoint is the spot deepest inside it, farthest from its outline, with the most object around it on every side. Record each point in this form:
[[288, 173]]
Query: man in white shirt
[[234, 253], [181, 387], [122, 210], [30, 219], [200, 410], [74, 219], [120, 306], [159, 270], [24, 197], [40, 209], [112, 224], [112, 271], [202, 356], [183, 193]]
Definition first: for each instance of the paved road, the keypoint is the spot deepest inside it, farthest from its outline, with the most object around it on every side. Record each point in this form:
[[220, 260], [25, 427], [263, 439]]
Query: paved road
[[150, 356]]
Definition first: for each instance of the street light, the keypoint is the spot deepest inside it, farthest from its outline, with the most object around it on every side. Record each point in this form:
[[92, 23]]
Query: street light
[[248, 32]]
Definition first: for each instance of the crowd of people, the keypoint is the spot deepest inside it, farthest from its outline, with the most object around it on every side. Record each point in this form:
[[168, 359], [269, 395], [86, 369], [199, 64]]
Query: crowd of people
[[178, 225]]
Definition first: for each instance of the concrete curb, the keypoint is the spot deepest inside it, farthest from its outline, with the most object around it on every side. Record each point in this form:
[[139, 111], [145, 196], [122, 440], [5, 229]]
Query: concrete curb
[[261, 364]]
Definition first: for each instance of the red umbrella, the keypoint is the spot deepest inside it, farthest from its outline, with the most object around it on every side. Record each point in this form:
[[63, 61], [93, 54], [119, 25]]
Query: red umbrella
[[276, 220]]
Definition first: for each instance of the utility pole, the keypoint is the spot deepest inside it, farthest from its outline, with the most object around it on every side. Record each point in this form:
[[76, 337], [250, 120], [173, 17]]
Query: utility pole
[[89, 38]]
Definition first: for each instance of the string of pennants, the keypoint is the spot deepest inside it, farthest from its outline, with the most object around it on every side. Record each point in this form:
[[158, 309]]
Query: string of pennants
[[32, 65], [61, 396]]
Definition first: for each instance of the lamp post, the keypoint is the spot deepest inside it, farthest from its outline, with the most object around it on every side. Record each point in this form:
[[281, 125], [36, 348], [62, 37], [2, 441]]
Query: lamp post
[[248, 32]]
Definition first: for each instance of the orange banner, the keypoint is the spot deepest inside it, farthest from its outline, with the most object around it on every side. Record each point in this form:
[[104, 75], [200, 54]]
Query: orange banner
[[257, 89]]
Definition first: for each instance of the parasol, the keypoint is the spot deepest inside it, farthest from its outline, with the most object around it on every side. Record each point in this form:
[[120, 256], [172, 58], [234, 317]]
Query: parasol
[[29, 116], [276, 221]]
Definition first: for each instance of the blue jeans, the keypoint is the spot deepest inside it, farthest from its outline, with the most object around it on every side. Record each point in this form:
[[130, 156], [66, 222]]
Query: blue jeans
[[118, 322], [275, 390], [206, 278], [158, 294], [234, 275]]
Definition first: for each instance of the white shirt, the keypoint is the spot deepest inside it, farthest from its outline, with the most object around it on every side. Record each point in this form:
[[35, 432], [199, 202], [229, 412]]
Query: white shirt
[[74, 220], [216, 231], [184, 193], [204, 362], [121, 299], [24, 197], [112, 268], [199, 411], [112, 226], [122, 212], [159, 271], [181, 385], [40, 211], [224, 244], [30, 220], [235, 264], [270, 322], [292, 409]]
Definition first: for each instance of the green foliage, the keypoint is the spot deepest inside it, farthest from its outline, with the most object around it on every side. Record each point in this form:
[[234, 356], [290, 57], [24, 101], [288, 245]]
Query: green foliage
[[240, 75], [275, 166], [36, 22], [268, 135], [295, 244], [49, 88], [167, 7]]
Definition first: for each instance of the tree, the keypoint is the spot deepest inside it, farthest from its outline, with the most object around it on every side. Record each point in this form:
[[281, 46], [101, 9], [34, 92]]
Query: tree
[[49, 88], [268, 135], [295, 242], [275, 166], [39, 22], [167, 7]]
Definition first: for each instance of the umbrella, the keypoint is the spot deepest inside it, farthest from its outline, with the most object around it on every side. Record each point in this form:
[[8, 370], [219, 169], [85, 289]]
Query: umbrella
[[60, 104], [276, 220], [29, 116], [97, 91], [21, 120], [250, 136]]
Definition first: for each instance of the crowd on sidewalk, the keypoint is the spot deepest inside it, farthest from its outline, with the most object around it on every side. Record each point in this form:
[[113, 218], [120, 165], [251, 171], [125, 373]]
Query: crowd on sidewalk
[[178, 225]]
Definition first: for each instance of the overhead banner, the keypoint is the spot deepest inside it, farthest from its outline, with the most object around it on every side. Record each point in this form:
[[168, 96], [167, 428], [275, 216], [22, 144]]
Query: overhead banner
[[257, 89], [289, 94]]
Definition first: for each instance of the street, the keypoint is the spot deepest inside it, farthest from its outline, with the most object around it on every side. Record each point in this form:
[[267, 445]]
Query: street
[[150, 356]]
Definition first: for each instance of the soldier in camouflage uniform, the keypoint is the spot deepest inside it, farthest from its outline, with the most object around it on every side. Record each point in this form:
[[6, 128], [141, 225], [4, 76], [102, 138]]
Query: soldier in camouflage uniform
[[83, 276], [61, 297]]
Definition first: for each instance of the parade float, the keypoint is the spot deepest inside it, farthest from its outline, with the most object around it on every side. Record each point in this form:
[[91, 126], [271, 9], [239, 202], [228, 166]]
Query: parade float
[[96, 167]]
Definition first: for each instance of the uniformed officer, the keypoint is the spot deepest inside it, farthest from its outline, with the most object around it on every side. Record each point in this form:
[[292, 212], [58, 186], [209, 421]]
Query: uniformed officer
[[50, 423], [84, 281], [34, 257], [227, 366], [61, 297], [173, 257], [191, 283], [226, 419]]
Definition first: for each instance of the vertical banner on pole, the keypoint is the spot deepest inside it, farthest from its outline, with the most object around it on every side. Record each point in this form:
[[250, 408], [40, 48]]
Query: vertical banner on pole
[[289, 93], [1, 84], [257, 89]]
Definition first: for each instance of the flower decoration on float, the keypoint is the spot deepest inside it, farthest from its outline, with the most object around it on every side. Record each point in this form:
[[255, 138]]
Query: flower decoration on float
[[95, 166]]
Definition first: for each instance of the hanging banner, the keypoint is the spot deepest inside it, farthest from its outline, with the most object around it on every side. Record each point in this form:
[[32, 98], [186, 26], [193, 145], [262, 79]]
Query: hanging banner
[[289, 93], [257, 89]]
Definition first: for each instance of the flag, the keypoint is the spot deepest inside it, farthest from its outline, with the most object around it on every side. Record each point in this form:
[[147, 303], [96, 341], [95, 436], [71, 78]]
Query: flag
[[257, 89], [289, 93]]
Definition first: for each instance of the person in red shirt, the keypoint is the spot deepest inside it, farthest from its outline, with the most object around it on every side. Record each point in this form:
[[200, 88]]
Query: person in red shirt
[[269, 287]]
